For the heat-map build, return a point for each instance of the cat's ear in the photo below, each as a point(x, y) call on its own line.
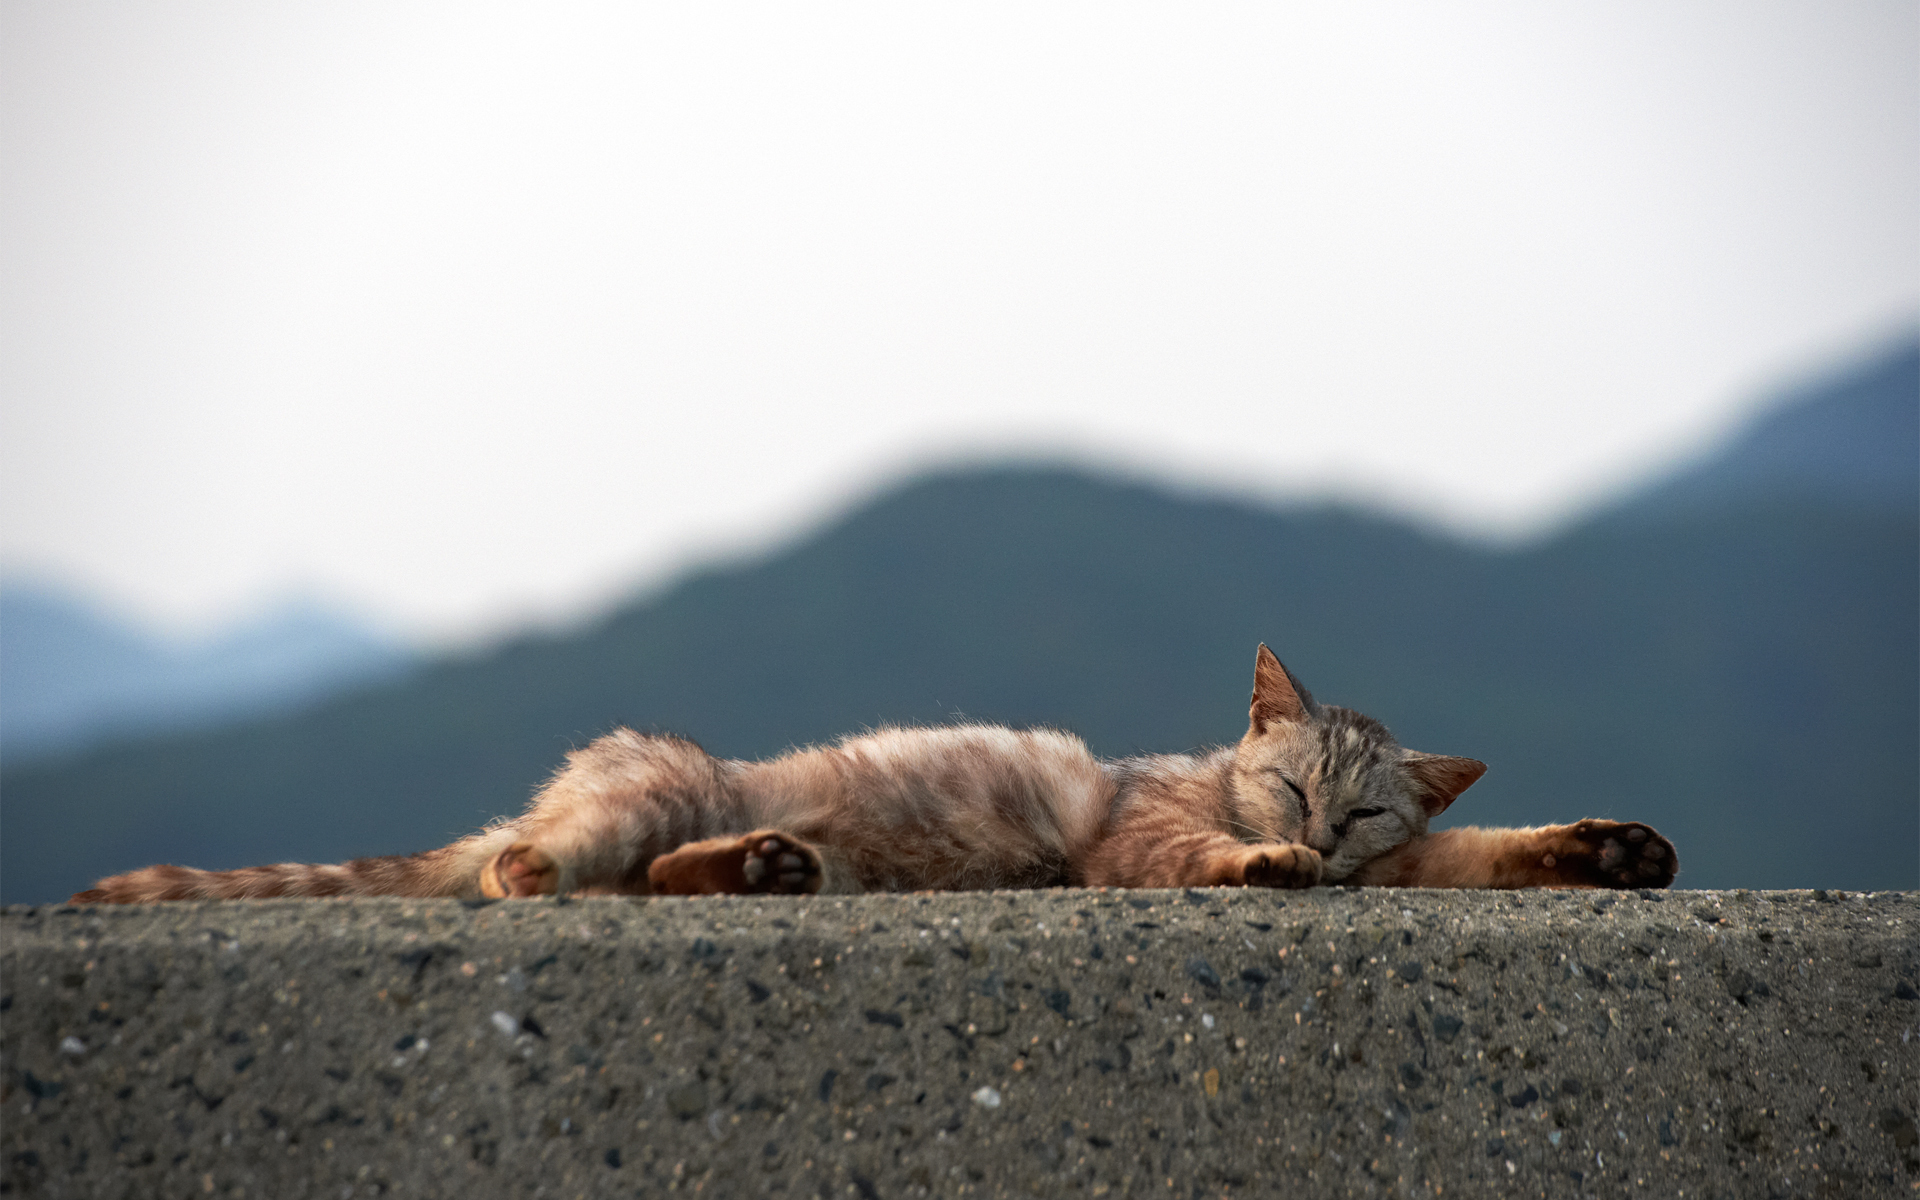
point(1439, 779)
point(1278, 697)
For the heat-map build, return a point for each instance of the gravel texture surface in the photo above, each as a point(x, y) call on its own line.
point(1334, 1042)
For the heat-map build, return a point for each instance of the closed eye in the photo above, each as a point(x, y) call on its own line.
point(1355, 814)
point(1277, 773)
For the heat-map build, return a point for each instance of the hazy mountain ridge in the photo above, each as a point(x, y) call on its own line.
point(1742, 674)
point(1847, 439)
point(72, 676)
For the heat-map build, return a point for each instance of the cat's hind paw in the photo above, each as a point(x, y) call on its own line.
point(765, 861)
point(522, 869)
point(776, 864)
point(1614, 854)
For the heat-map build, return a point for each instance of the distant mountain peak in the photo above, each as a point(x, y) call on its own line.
point(72, 675)
point(1849, 440)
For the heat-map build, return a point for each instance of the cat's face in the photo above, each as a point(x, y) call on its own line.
point(1334, 779)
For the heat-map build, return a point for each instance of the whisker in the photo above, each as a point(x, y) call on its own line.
point(1255, 830)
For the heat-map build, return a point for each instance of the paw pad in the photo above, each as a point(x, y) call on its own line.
point(759, 863)
point(1282, 867)
point(1615, 854)
point(522, 869)
point(774, 864)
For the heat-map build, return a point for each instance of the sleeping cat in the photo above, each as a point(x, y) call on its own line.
point(1311, 794)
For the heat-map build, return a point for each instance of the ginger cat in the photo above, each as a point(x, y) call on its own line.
point(1311, 794)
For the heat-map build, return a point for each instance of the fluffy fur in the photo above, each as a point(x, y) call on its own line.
point(1311, 794)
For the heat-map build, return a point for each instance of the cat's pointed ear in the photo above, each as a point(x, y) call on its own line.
point(1278, 697)
point(1440, 778)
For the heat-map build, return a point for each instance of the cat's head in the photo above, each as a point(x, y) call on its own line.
point(1332, 778)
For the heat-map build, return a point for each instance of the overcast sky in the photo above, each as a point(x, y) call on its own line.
point(467, 313)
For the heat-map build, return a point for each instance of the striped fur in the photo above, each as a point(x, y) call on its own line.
point(1311, 794)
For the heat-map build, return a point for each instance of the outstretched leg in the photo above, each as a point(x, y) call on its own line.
point(764, 861)
point(1585, 854)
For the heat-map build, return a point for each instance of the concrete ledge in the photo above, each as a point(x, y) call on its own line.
point(1339, 1042)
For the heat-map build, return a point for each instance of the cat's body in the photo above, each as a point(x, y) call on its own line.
point(1311, 794)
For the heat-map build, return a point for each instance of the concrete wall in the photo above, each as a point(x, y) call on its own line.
point(1338, 1042)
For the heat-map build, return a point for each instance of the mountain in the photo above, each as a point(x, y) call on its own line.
point(1744, 674)
point(72, 677)
point(1845, 441)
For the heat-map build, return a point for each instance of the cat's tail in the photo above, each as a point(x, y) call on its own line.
point(442, 872)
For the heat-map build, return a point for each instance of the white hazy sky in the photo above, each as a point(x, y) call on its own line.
point(468, 313)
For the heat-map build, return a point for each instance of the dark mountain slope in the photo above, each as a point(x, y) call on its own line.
point(1845, 441)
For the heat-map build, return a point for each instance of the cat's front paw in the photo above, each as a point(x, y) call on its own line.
point(764, 861)
point(522, 869)
point(1612, 854)
point(1281, 866)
